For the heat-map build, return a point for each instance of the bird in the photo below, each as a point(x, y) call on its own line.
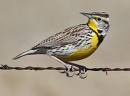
point(75, 42)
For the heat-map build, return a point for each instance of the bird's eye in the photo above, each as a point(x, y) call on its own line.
point(99, 19)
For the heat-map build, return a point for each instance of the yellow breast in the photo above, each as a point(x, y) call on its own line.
point(82, 53)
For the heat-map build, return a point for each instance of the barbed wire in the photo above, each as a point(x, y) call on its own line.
point(6, 67)
point(63, 69)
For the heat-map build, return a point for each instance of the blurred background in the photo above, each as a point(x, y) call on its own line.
point(24, 23)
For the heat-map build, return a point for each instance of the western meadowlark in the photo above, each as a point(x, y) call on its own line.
point(74, 43)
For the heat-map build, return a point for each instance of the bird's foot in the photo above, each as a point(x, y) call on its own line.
point(82, 73)
point(69, 70)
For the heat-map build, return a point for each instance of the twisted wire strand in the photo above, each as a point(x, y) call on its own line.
point(6, 67)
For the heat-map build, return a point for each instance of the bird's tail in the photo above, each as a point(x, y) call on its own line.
point(28, 52)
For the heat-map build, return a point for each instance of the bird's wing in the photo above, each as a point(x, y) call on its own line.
point(68, 36)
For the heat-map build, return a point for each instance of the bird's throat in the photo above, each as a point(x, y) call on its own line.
point(93, 25)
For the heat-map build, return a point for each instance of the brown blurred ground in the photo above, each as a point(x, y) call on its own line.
point(24, 23)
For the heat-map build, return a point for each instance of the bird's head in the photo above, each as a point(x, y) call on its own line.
point(98, 21)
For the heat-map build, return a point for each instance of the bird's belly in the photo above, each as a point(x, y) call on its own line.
point(79, 54)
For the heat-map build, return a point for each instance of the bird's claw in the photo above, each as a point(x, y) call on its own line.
point(82, 73)
point(69, 71)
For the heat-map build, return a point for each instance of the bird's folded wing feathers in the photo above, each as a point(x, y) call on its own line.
point(68, 36)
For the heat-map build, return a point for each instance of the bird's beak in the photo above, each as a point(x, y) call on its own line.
point(89, 15)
